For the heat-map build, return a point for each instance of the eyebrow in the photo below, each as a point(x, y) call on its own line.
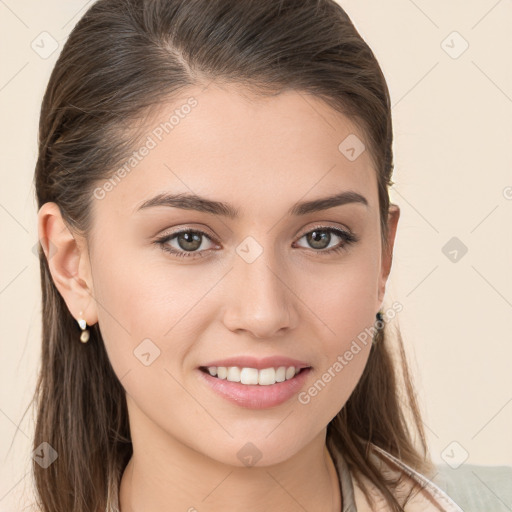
point(188, 201)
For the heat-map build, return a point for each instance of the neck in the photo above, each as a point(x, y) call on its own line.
point(166, 475)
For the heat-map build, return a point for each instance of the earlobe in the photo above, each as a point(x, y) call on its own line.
point(70, 272)
point(387, 253)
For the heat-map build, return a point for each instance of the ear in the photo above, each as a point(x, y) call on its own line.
point(68, 262)
point(387, 253)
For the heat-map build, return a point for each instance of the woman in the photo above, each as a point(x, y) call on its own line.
point(217, 235)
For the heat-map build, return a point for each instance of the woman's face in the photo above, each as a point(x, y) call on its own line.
point(252, 279)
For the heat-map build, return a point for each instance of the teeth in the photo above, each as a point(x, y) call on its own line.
point(265, 377)
point(281, 373)
point(249, 376)
point(233, 374)
point(268, 376)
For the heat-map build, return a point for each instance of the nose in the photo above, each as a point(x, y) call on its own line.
point(260, 298)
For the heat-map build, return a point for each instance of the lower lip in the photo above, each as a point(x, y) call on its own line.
point(255, 396)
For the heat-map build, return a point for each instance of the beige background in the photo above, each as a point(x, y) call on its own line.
point(453, 178)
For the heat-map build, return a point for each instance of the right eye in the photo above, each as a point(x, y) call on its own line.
point(189, 242)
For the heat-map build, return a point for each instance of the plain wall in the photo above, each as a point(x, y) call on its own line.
point(453, 182)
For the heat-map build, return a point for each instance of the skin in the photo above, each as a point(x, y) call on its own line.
point(262, 155)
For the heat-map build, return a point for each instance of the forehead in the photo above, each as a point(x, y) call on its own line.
point(248, 150)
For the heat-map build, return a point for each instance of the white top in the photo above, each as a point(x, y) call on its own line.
point(431, 497)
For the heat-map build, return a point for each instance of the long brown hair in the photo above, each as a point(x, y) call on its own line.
point(123, 58)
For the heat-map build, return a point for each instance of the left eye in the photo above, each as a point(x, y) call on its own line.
point(318, 237)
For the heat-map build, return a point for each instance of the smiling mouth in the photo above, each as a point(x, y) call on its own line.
point(253, 376)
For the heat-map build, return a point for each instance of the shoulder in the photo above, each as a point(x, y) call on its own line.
point(421, 494)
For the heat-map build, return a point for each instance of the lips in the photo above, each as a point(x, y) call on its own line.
point(256, 396)
point(258, 363)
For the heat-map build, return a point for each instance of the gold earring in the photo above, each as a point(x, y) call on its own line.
point(84, 337)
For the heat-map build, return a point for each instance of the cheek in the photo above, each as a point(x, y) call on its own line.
point(341, 303)
point(333, 383)
point(347, 316)
point(145, 304)
point(143, 317)
point(342, 296)
point(130, 309)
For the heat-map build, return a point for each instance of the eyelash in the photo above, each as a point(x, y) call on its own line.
point(347, 237)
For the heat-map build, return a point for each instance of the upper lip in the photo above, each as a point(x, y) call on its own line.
point(258, 363)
